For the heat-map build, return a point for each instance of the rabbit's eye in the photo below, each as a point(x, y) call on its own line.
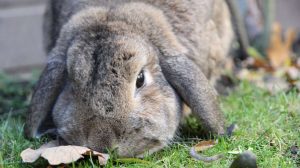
point(140, 80)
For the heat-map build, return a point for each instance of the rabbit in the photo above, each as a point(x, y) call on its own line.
point(119, 71)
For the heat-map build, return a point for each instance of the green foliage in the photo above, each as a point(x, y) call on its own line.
point(14, 94)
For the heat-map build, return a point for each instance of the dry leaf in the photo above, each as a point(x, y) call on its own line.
point(64, 154)
point(102, 158)
point(29, 155)
point(258, 63)
point(204, 145)
point(279, 50)
point(57, 155)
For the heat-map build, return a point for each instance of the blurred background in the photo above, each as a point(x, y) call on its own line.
point(21, 41)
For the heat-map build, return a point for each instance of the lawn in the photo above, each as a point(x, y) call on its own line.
point(269, 125)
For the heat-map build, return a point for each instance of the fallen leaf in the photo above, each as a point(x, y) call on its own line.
point(102, 157)
point(204, 145)
point(29, 155)
point(57, 155)
point(259, 63)
point(64, 154)
point(279, 50)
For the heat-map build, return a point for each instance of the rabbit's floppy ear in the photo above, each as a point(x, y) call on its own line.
point(194, 88)
point(48, 88)
point(53, 79)
point(190, 82)
point(51, 82)
point(46, 92)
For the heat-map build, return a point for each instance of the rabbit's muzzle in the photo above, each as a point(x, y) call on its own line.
point(128, 139)
point(129, 135)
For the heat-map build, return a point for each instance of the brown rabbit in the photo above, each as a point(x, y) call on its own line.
point(118, 71)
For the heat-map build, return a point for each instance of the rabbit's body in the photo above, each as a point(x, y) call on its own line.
point(118, 71)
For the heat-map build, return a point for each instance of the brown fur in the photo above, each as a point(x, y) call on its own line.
point(87, 93)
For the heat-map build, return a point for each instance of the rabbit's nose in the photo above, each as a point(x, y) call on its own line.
point(104, 133)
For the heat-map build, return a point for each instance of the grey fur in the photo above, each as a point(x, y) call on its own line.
point(96, 50)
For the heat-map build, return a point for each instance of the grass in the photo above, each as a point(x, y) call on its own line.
point(268, 125)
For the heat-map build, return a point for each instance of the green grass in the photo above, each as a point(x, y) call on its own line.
point(268, 125)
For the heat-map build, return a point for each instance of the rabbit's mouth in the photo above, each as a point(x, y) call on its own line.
point(144, 136)
point(135, 143)
point(139, 152)
point(140, 146)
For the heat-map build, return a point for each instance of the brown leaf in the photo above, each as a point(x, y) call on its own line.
point(279, 49)
point(29, 155)
point(204, 145)
point(102, 157)
point(258, 63)
point(64, 154)
point(57, 155)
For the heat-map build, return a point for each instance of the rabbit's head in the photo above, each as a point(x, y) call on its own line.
point(116, 95)
point(108, 83)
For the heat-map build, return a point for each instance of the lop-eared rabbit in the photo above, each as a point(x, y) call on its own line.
point(119, 71)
